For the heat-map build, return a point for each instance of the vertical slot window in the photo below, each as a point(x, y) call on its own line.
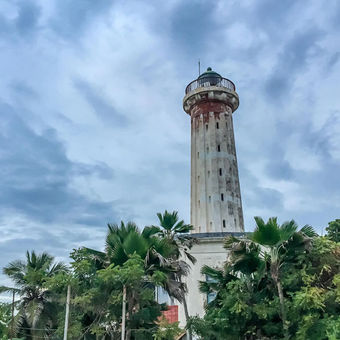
point(223, 223)
point(217, 125)
point(209, 199)
point(219, 148)
point(222, 197)
point(206, 127)
point(220, 171)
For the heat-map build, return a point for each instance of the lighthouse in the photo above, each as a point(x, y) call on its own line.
point(216, 206)
point(216, 203)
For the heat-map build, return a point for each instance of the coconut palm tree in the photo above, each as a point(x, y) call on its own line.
point(176, 233)
point(36, 311)
point(124, 241)
point(270, 243)
point(275, 241)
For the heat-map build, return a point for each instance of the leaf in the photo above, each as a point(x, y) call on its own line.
point(308, 231)
point(267, 234)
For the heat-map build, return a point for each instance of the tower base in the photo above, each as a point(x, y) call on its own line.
point(208, 251)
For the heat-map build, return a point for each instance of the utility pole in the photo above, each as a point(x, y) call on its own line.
point(67, 313)
point(12, 321)
point(123, 313)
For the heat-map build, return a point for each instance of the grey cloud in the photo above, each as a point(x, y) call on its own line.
point(193, 25)
point(256, 196)
point(27, 20)
point(279, 168)
point(24, 24)
point(35, 172)
point(22, 89)
point(36, 176)
point(291, 61)
point(272, 16)
point(101, 107)
point(73, 16)
point(332, 61)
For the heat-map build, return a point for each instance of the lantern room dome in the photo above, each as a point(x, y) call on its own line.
point(209, 73)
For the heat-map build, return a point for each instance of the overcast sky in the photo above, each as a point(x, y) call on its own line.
point(92, 128)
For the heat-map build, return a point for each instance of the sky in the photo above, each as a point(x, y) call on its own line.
point(92, 128)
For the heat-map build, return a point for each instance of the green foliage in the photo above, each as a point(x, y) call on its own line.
point(36, 311)
point(333, 230)
point(247, 303)
point(137, 260)
point(5, 319)
point(167, 331)
point(280, 282)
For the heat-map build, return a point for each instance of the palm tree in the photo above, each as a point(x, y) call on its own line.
point(273, 243)
point(36, 311)
point(124, 241)
point(176, 233)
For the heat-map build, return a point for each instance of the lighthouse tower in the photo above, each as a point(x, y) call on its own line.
point(216, 207)
point(216, 203)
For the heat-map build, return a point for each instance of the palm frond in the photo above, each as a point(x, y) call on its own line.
point(151, 231)
point(213, 273)
point(267, 234)
point(5, 289)
point(308, 231)
point(57, 268)
point(287, 230)
point(190, 257)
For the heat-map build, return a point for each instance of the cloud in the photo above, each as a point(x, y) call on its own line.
point(27, 19)
point(101, 107)
point(91, 122)
point(36, 176)
point(72, 17)
point(292, 59)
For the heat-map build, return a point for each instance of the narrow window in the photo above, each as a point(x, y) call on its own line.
point(208, 173)
point(217, 125)
point(207, 149)
point(219, 148)
point(220, 171)
point(210, 225)
point(198, 155)
point(206, 127)
point(198, 178)
point(222, 197)
point(223, 223)
point(199, 203)
point(226, 125)
point(209, 199)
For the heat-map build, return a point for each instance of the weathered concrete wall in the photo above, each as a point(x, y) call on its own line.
point(215, 189)
point(209, 251)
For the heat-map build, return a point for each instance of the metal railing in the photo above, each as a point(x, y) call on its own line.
point(210, 81)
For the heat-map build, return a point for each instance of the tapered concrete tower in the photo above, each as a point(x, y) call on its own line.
point(216, 203)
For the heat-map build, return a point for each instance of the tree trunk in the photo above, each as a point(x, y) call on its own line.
point(186, 312)
point(130, 304)
point(123, 312)
point(275, 276)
